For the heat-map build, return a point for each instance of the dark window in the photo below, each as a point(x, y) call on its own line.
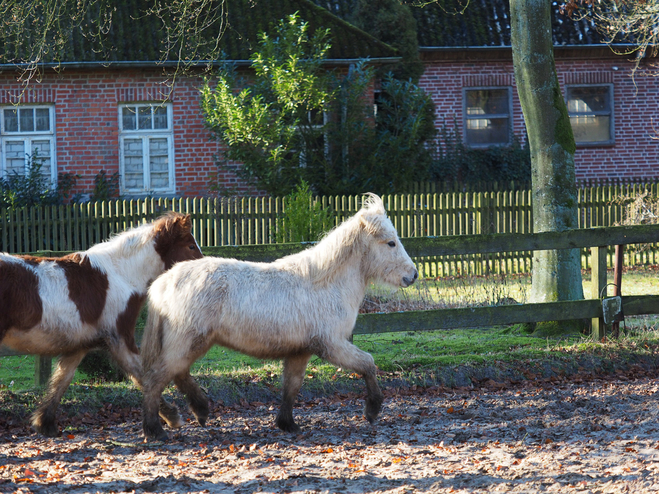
point(487, 119)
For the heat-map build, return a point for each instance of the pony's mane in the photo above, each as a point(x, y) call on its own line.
point(125, 243)
point(337, 246)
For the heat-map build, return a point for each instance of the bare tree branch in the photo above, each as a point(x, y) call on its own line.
point(630, 27)
point(36, 33)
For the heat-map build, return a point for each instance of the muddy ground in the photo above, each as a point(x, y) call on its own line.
point(594, 435)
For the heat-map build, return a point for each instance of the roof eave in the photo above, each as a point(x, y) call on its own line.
point(117, 65)
point(504, 53)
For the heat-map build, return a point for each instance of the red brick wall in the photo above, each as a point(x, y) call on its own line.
point(635, 154)
point(87, 128)
point(87, 124)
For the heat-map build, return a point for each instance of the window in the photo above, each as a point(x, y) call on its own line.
point(591, 113)
point(146, 159)
point(487, 120)
point(314, 139)
point(27, 135)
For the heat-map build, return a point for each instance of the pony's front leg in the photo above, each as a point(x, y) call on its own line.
point(44, 420)
point(345, 354)
point(294, 368)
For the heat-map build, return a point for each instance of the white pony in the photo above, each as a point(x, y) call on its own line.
point(298, 306)
point(69, 305)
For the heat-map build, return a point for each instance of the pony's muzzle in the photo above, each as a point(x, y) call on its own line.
point(407, 281)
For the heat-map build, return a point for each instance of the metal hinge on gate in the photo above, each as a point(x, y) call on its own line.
point(611, 308)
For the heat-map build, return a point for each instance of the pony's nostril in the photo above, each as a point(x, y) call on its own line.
point(408, 281)
point(416, 274)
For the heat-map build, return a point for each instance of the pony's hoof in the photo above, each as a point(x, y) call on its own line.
point(161, 436)
point(45, 426)
point(154, 432)
point(201, 413)
point(170, 414)
point(172, 418)
point(287, 425)
point(48, 430)
point(372, 410)
point(173, 423)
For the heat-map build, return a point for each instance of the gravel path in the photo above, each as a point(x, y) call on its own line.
point(595, 436)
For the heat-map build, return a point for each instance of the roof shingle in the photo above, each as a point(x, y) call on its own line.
point(135, 35)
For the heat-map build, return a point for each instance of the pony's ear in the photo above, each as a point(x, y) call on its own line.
point(370, 222)
point(373, 203)
point(173, 225)
point(372, 214)
point(184, 222)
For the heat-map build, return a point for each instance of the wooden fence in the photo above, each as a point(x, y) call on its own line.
point(596, 238)
point(245, 221)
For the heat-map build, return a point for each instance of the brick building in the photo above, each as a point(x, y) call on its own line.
point(469, 73)
point(114, 111)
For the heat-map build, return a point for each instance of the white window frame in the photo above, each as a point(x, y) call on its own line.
point(28, 137)
point(587, 114)
point(145, 135)
point(487, 116)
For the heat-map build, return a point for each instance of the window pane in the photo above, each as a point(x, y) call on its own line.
point(43, 119)
point(133, 164)
point(128, 118)
point(144, 118)
point(41, 154)
point(11, 120)
point(591, 128)
point(487, 131)
point(26, 118)
point(160, 117)
point(588, 99)
point(15, 157)
point(159, 163)
point(487, 101)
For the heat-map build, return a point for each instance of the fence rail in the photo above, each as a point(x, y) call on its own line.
point(254, 220)
point(476, 316)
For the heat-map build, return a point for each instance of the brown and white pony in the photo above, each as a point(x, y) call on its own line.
point(67, 306)
point(298, 306)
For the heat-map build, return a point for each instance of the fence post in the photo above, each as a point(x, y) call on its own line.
point(598, 283)
point(42, 367)
point(617, 284)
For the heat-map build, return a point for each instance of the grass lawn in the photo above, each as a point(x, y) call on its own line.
point(408, 352)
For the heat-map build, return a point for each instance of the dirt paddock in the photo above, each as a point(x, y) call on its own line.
point(595, 436)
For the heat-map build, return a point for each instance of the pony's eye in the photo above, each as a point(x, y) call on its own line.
point(391, 243)
point(193, 247)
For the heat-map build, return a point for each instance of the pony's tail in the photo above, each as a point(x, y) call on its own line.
point(151, 347)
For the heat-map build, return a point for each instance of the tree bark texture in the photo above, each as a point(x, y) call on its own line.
point(556, 273)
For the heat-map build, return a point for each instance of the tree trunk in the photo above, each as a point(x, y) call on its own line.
point(556, 273)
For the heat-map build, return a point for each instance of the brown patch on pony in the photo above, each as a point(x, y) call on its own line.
point(20, 303)
point(127, 319)
point(173, 239)
point(88, 286)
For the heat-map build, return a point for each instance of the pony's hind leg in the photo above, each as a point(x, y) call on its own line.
point(196, 397)
point(131, 364)
point(44, 420)
point(153, 384)
point(345, 354)
point(294, 368)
